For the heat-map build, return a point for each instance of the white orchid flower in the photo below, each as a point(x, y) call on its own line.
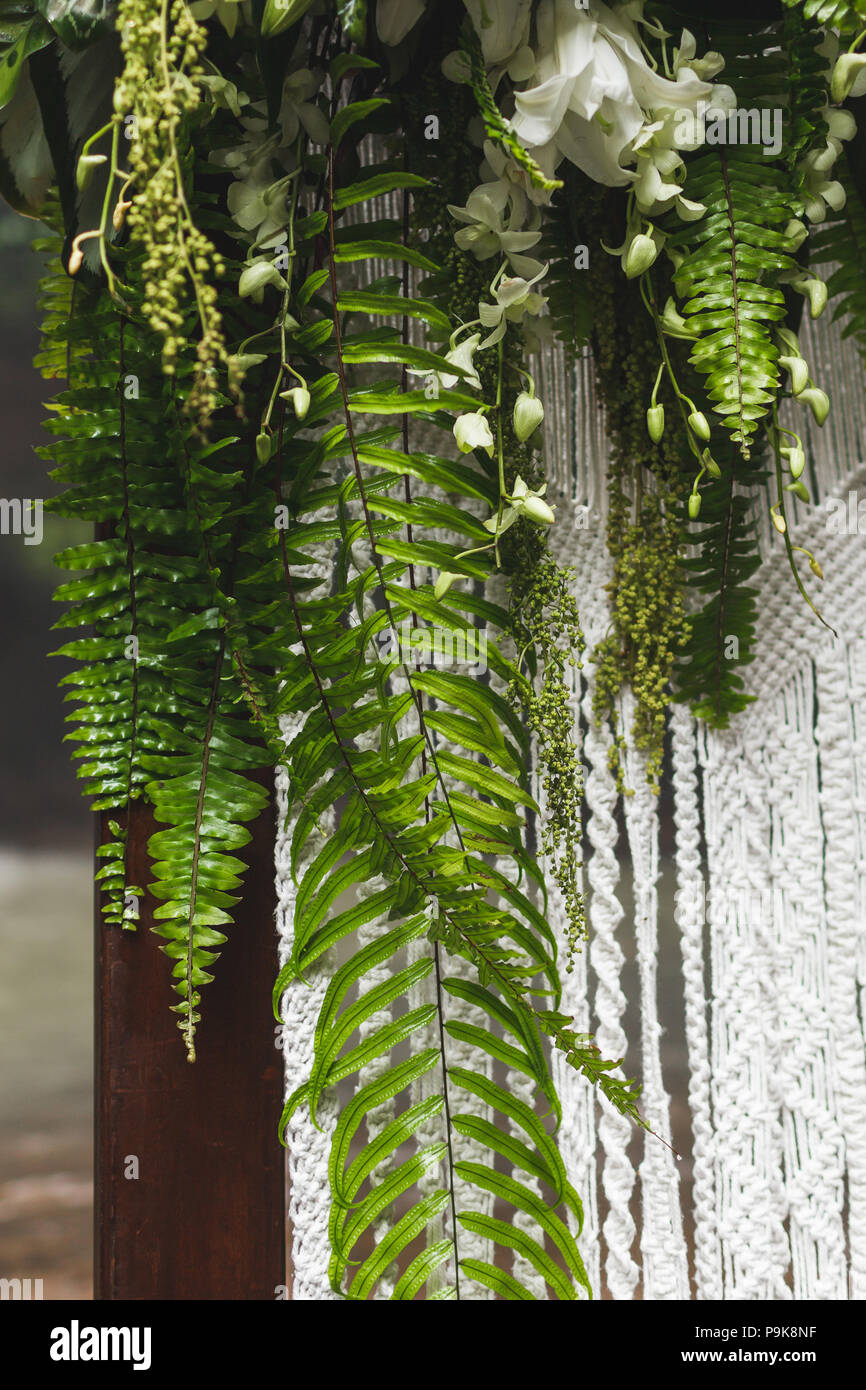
point(226, 12)
point(487, 232)
point(258, 204)
point(499, 165)
point(594, 89)
point(297, 109)
point(473, 432)
point(502, 26)
point(514, 297)
point(461, 356)
point(394, 19)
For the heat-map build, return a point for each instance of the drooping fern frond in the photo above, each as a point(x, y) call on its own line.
point(157, 707)
point(732, 257)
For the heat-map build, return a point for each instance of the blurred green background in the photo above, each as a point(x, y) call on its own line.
point(45, 849)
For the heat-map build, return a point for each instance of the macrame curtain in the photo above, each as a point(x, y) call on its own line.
point(769, 886)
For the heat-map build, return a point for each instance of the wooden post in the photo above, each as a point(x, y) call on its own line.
point(189, 1173)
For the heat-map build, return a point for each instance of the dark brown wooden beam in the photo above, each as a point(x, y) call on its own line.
point(205, 1217)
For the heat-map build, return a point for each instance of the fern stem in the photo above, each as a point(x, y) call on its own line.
point(368, 521)
point(744, 439)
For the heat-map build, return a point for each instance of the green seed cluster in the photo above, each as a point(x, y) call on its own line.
point(545, 622)
point(162, 49)
point(644, 529)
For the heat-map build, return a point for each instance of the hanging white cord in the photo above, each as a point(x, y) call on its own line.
point(663, 1247)
point(690, 911)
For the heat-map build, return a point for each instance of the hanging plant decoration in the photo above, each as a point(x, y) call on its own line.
point(302, 257)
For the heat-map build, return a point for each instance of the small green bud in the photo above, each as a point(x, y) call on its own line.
point(796, 459)
point(815, 567)
point(254, 278)
point(528, 415)
point(796, 232)
point(263, 446)
point(816, 293)
point(778, 522)
point(299, 397)
point(799, 490)
point(673, 323)
point(538, 511)
point(85, 167)
point(655, 422)
point(710, 464)
point(443, 583)
point(818, 402)
point(799, 372)
point(846, 74)
point(694, 505)
point(699, 424)
point(640, 255)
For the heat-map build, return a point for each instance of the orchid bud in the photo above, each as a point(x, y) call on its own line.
point(797, 462)
point(778, 522)
point(799, 373)
point(254, 278)
point(473, 432)
point(85, 167)
point(845, 81)
point(815, 567)
point(818, 402)
point(816, 293)
point(528, 415)
point(443, 583)
point(640, 255)
point(538, 511)
point(699, 424)
point(674, 324)
point(796, 232)
point(299, 397)
point(76, 260)
point(694, 505)
point(710, 464)
point(655, 422)
point(263, 446)
point(799, 490)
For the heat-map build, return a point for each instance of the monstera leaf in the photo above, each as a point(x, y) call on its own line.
point(22, 32)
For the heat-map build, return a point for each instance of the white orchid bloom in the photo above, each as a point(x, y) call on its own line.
point(473, 432)
point(394, 19)
point(487, 231)
point(297, 109)
point(226, 11)
point(684, 57)
point(502, 26)
point(594, 89)
point(258, 204)
point(461, 356)
point(514, 297)
point(499, 165)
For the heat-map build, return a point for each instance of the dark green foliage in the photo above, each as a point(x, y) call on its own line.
point(842, 241)
point(157, 705)
point(722, 636)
